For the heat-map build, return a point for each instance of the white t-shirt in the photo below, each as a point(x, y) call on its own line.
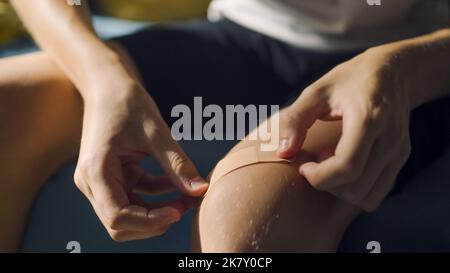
point(334, 25)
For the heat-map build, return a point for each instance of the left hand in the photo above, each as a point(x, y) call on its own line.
point(367, 95)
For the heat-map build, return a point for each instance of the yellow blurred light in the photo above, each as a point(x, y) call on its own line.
point(10, 26)
point(154, 10)
point(145, 10)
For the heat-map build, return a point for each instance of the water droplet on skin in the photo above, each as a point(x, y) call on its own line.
point(255, 244)
point(251, 222)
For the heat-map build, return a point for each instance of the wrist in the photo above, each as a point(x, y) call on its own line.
point(392, 74)
point(104, 75)
point(420, 66)
point(109, 87)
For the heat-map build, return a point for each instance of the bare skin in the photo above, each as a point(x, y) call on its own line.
point(269, 207)
point(109, 153)
point(39, 139)
point(41, 116)
point(373, 94)
point(36, 99)
point(44, 145)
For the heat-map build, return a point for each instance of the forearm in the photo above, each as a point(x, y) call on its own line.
point(421, 66)
point(66, 33)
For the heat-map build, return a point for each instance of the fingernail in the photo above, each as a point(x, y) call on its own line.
point(283, 146)
point(197, 182)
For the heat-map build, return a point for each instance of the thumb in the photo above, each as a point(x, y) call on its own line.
point(296, 120)
point(177, 165)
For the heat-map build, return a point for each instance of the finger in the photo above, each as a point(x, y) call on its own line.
point(148, 218)
point(125, 235)
point(181, 204)
point(119, 235)
point(297, 119)
point(355, 192)
point(102, 182)
point(111, 202)
point(128, 235)
point(177, 165)
point(139, 218)
point(325, 153)
point(112, 205)
point(350, 157)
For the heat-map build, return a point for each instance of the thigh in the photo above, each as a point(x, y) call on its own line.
point(36, 98)
point(40, 124)
point(29, 76)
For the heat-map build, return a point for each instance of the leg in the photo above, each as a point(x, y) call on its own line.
point(40, 125)
point(238, 208)
point(268, 207)
point(40, 111)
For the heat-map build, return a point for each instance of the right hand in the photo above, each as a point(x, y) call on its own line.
point(121, 126)
point(368, 95)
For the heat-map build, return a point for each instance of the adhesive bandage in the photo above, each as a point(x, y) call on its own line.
point(244, 157)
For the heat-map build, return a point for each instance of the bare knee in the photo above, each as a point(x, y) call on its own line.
point(265, 208)
point(37, 67)
point(33, 81)
point(40, 113)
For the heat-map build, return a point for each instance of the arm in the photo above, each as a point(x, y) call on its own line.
point(422, 65)
point(373, 94)
point(66, 33)
point(121, 125)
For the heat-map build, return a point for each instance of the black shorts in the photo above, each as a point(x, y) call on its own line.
point(225, 63)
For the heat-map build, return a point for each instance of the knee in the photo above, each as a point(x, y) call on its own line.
point(255, 209)
point(226, 217)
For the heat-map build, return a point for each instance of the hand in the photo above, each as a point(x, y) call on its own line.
point(367, 96)
point(121, 126)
